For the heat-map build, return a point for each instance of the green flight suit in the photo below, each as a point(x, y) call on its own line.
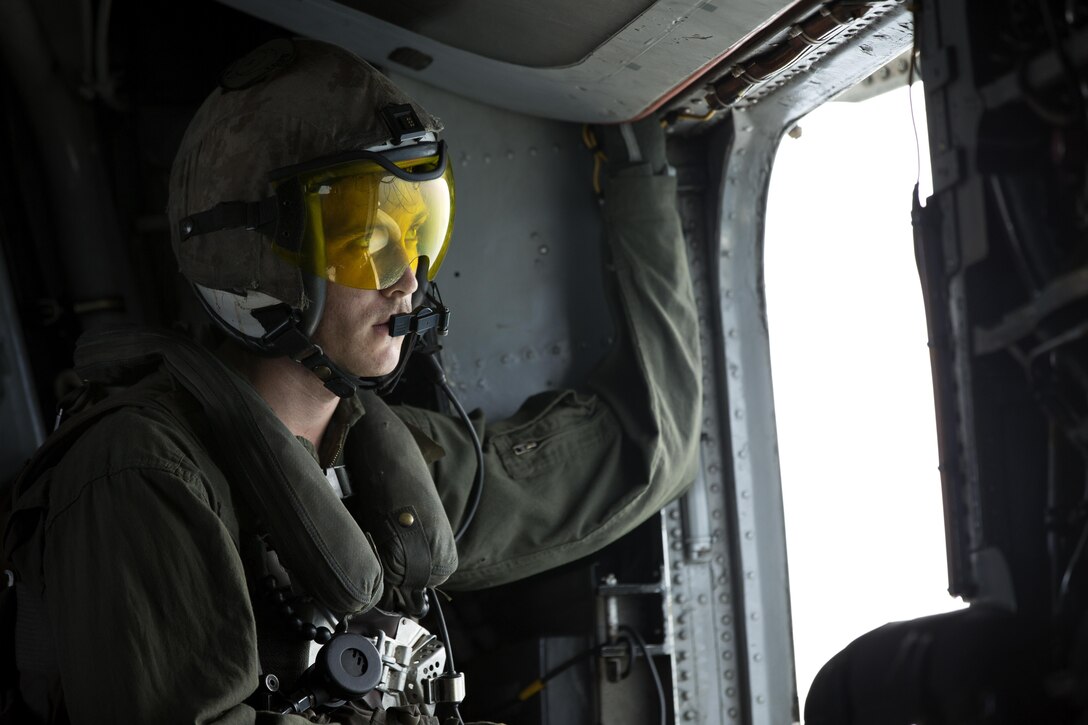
point(142, 552)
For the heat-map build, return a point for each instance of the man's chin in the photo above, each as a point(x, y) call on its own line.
point(376, 368)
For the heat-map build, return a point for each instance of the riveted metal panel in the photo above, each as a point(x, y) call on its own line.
point(759, 534)
point(523, 274)
point(759, 549)
point(708, 685)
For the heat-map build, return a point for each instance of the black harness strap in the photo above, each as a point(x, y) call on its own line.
point(283, 336)
point(252, 215)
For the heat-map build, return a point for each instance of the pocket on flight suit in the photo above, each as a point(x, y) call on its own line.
point(549, 431)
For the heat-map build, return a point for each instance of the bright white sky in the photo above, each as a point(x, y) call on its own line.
point(853, 396)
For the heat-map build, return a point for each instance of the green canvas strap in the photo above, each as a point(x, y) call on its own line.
point(316, 537)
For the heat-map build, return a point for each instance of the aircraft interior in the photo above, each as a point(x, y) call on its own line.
point(96, 97)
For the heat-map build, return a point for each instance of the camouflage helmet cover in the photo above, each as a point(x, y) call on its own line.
point(325, 101)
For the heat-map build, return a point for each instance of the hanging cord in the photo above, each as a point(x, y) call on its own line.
point(537, 686)
point(438, 376)
point(451, 669)
point(629, 637)
point(912, 75)
point(632, 634)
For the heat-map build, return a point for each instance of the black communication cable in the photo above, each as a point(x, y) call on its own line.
point(628, 632)
point(630, 637)
point(450, 667)
point(439, 377)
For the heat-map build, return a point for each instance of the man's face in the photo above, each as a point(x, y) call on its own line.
point(370, 229)
point(354, 328)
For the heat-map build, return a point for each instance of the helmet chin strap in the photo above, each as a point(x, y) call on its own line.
point(288, 332)
point(284, 336)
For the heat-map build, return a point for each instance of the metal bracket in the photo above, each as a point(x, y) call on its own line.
point(446, 687)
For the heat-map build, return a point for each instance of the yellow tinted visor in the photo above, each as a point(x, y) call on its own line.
point(364, 226)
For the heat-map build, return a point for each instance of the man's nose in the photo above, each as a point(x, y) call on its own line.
point(406, 285)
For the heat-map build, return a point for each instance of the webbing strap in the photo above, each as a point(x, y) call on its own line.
point(288, 494)
point(252, 215)
point(282, 334)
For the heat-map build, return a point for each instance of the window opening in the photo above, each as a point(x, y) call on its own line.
point(852, 387)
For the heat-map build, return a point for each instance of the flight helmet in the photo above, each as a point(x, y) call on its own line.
point(307, 166)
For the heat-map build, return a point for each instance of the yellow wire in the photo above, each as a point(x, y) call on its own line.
point(531, 689)
point(587, 137)
point(695, 117)
point(599, 156)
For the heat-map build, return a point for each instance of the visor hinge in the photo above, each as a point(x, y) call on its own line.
point(260, 213)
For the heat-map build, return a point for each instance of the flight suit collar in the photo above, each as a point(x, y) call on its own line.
point(331, 454)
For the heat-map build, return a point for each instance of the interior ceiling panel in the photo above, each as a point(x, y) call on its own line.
point(622, 57)
point(523, 32)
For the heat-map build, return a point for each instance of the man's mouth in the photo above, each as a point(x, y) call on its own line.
point(386, 322)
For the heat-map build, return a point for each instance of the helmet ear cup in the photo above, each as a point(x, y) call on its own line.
point(232, 313)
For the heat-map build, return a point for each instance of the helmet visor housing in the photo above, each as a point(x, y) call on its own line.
point(365, 221)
